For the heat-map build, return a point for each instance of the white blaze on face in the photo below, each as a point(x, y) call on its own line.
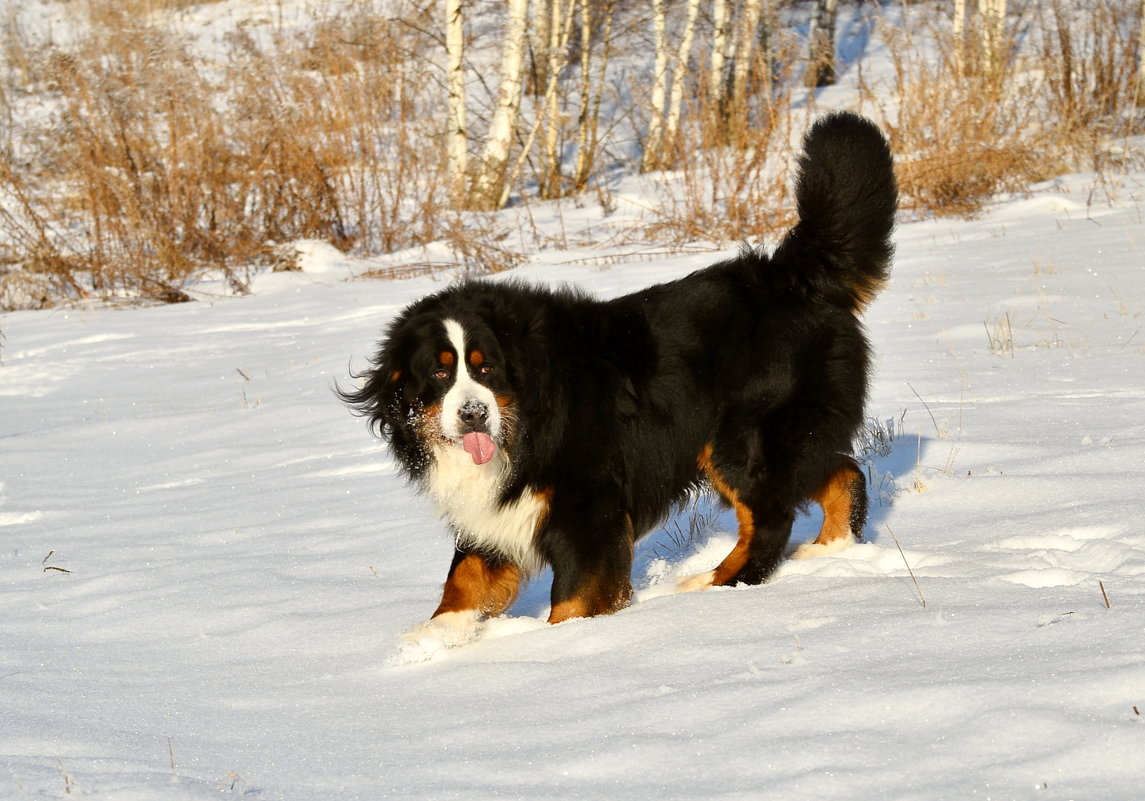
point(467, 481)
point(465, 392)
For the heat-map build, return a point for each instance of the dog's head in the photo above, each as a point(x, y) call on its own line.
point(439, 381)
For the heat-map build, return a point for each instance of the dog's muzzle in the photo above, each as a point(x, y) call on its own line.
point(474, 417)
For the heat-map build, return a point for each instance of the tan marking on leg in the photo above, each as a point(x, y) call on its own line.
point(474, 584)
point(700, 581)
point(590, 604)
point(734, 562)
point(835, 497)
point(574, 607)
point(603, 594)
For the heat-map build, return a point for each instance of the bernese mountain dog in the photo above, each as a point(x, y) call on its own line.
point(554, 428)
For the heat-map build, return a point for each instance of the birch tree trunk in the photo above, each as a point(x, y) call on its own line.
point(767, 29)
point(457, 136)
point(539, 48)
point(582, 135)
point(561, 26)
point(1065, 52)
point(741, 64)
point(591, 93)
point(721, 19)
point(960, 36)
point(1141, 60)
point(489, 184)
point(676, 99)
point(659, 85)
point(992, 14)
point(821, 44)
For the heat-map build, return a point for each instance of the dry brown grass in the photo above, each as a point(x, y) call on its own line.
point(960, 137)
point(156, 165)
point(731, 178)
point(1062, 91)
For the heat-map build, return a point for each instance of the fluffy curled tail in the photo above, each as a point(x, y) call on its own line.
point(846, 198)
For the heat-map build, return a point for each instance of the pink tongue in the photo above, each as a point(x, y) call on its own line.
point(479, 445)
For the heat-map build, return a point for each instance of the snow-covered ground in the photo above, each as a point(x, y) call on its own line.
point(206, 562)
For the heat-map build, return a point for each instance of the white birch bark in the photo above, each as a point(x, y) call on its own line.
point(539, 47)
point(659, 85)
point(457, 137)
point(821, 44)
point(591, 93)
point(721, 19)
point(675, 100)
point(1141, 60)
point(960, 36)
point(561, 22)
point(744, 49)
point(992, 20)
point(585, 84)
point(489, 183)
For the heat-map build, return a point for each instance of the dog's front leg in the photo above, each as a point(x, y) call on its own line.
point(477, 586)
point(594, 578)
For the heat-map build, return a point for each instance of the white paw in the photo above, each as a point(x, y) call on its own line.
point(435, 636)
point(700, 581)
point(807, 550)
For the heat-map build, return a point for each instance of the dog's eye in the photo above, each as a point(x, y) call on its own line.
point(441, 373)
point(485, 369)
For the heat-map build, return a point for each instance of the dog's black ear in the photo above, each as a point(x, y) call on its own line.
point(379, 399)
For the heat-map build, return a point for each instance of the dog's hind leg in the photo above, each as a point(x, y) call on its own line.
point(756, 554)
point(843, 498)
point(763, 533)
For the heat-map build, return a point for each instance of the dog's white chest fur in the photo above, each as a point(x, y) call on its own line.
point(467, 496)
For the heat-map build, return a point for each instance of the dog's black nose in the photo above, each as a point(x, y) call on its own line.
point(474, 417)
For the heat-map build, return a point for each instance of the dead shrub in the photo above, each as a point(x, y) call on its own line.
point(732, 178)
point(156, 166)
point(963, 135)
point(959, 183)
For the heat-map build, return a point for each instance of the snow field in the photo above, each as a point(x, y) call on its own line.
point(207, 564)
